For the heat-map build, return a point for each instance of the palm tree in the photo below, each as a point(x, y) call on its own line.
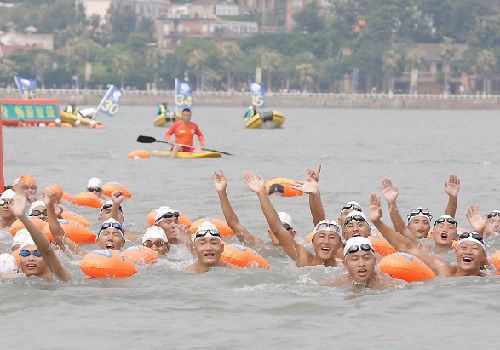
point(231, 58)
point(446, 51)
point(197, 61)
point(155, 59)
point(486, 63)
point(43, 61)
point(122, 63)
point(270, 61)
point(8, 68)
point(78, 51)
point(390, 61)
point(305, 71)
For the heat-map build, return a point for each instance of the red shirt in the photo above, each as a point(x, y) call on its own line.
point(184, 133)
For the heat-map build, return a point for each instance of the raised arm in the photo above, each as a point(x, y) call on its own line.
point(451, 188)
point(476, 219)
point(399, 242)
point(391, 194)
point(41, 241)
point(311, 187)
point(220, 183)
point(257, 185)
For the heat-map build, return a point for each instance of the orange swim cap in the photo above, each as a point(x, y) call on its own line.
point(27, 180)
point(56, 188)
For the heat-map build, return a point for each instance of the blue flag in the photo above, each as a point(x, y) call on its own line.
point(183, 95)
point(26, 87)
point(258, 93)
point(355, 76)
point(109, 104)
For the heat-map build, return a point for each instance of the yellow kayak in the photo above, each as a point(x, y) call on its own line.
point(77, 121)
point(161, 120)
point(266, 120)
point(191, 155)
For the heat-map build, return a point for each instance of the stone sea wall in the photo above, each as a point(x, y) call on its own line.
point(273, 100)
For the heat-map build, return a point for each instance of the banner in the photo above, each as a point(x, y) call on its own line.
point(109, 104)
point(28, 111)
point(258, 75)
point(258, 93)
point(414, 77)
point(183, 95)
point(355, 76)
point(26, 87)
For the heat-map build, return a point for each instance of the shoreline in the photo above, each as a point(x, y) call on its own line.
point(299, 100)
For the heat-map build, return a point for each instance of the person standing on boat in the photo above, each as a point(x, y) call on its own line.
point(163, 108)
point(251, 112)
point(184, 132)
point(71, 108)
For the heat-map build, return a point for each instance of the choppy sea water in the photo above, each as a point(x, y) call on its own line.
point(281, 307)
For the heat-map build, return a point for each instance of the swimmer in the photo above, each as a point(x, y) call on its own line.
point(29, 185)
point(470, 252)
point(111, 235)
point(492, 223)
point(346, 209)
point(95, 186)
point(326, 239)
point(155, 239)
point(360, 263)
point(220, 183)
point(38, 210)
point(113, 208)
point(6, 210)
point(168, 219)
point(208, 247)
point(36, 256)
point(356, 225)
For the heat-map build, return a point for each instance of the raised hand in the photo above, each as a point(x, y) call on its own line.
point(117, 197)
point(389, 192)
point(310, 186)
point(183, 233)
point(452, 186)
point(375, 212)
point(312, 175)
point(20, 201)
point(50, 197)
point(220, 181)
point(476, 219)
point(254, 182)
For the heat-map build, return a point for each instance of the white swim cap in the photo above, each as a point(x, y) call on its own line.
point(8, 194)
point(351, 205)
point(356, 243)
point(34, 205)
point(419, 212)
point(154, 232)
point(447, 218)
point(20, 236)
point(94, 182)
point(285, 218)
point(355, 216)
point(8, 264)
point(25, 240)
point(207, 229)
point(111, 223)
point(472, 237)
point(165, 212)
point(327, 225)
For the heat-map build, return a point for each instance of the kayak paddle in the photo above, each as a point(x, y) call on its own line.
point(150, 139)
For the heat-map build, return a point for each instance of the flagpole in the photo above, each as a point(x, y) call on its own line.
point(175, 96)
point(100, 104)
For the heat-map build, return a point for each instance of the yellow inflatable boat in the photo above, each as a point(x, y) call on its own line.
point(266, 120)
point(158, 152)
point(77, 120)
point(171, 118)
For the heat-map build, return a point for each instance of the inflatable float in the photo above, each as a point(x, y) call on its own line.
point(77, 120)
point(405, 267)
point(283, 186)
point(242, 256)
point(190, 155)
point(139, 253)
point(107, 263)
point(165, 121)
point(265, 120)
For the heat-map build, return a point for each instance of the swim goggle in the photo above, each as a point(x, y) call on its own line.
point(38, 212)
point(419, 212)
point(493, 213)
point(25, 253)
point(168, 215)
point(450, 220)
point(107, 206)
point(203, 233)
point(326, 226)
point(355, 248)
point(159, 243)
point(353, 218)
point(474, 236)
point(111, 224)
point(94, 189)
point(3, 202)
point(352, 206)
point(27, 187)
point(287, 227)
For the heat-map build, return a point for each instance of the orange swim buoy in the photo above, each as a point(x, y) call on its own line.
point(69, 215)
point(240, 255)
point(139, 153)
point(56, 188)
point(66, 125)
point(380, 244)
point(222, 226)
point(182, 218)
point(405, 267)
point(18, 224)
point(68, 197)
point(113, 186)
point(75, 231)
point(139, 253)
point(282, 185)
point(107, 263)
point(99, 126)
point(495, 259)
point(88, 199)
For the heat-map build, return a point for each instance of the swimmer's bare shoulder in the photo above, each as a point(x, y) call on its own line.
point(383, 280)
point(343, 281)
point(228, 265)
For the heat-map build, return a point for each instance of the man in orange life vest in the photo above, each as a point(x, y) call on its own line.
point(184, 131)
